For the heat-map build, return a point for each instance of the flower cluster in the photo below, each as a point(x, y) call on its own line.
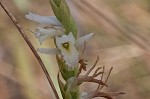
point(66, 45)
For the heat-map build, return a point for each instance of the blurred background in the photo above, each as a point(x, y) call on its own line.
point(122, 40)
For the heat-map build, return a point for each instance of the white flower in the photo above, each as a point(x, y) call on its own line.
point(48, 27)
point(42, 34)
point(66, 44)
point(67, 47)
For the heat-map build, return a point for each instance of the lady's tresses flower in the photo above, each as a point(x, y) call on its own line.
point(42, 34)
point(44, 20)
point(48, 27)
point(67, 47)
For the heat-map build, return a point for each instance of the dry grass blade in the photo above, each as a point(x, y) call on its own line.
point(107, 77)
point(101, 78)
point(107, 95)
point(92, 66)
point(96, 73)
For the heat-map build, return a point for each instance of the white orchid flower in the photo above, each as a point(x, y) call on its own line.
point(67, 47)
point(42, 34)
point(66, 44)
point(48, 27)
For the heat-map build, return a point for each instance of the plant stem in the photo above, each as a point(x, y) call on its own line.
point(18, 26)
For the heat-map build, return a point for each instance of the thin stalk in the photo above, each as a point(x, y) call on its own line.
point(18, 26)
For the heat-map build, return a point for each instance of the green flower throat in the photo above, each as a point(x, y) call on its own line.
point(66, 45)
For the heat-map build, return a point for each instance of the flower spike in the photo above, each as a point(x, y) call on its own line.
point(66, 43)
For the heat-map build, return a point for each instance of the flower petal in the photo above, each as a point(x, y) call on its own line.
point(51, 32)
point(84, 39)
point(71, 56)
point(65, 44)
point(49, 50)
point(42, 37)
point(71, 38)
point(64, 39)
point(49, 20)
point(43, 34)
